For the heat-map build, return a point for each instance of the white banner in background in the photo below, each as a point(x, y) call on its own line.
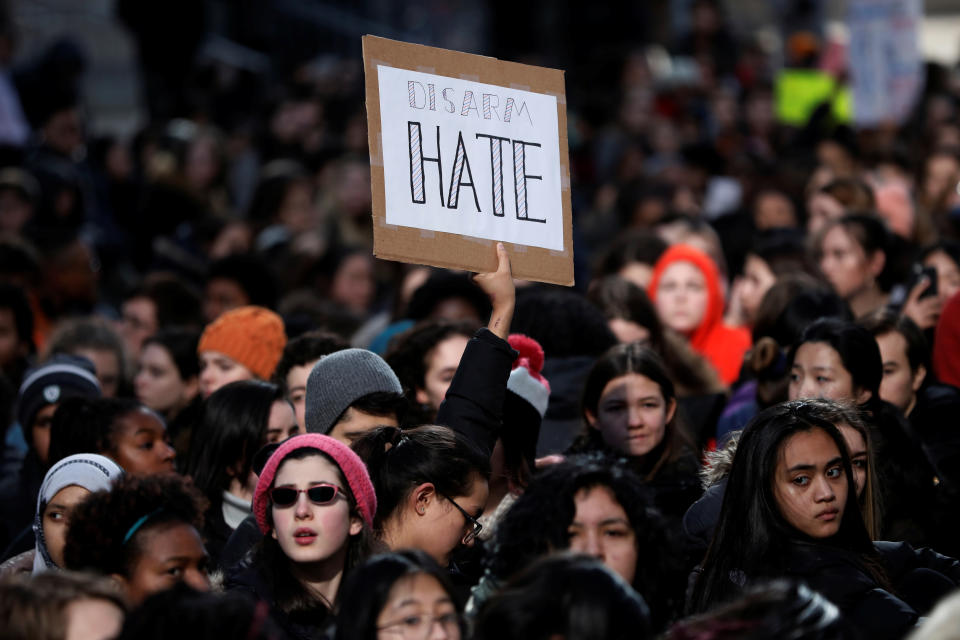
point(886, 66)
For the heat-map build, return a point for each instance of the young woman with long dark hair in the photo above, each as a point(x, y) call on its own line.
point(167, 381)
point(852, 254)
point(238, 419)
point(630, 409)
point(790, 510)
point(841, 361)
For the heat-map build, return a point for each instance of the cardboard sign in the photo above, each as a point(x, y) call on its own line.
point(467, 150)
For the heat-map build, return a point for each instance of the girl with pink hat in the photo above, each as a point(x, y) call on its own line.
point(315, 505)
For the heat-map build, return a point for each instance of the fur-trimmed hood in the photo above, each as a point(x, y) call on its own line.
point(717, 463)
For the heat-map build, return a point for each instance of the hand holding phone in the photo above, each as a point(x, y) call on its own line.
point(923, 304)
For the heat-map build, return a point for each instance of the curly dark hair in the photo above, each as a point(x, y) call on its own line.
point(304, 349)
point(539, 520)
point(98, 525)
point(443, 286)
point(564, 322)
point(407, 356)
point(88, 425)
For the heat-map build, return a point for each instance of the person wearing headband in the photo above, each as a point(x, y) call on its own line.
point(145, 534)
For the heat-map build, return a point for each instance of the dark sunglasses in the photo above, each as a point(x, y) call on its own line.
point(317, 494)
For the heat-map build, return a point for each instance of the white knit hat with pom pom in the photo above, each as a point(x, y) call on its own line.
point(526, 380)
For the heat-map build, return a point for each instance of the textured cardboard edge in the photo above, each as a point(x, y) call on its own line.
point(449, 250)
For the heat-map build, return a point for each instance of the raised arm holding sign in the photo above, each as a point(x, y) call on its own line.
point(499, 287)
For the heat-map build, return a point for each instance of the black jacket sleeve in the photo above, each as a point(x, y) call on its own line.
point(839, 576)
point(900, 558)
point(473, 405)
point(244, 537)
point(701, 518)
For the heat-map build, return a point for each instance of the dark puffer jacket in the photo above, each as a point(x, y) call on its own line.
point(917, 580)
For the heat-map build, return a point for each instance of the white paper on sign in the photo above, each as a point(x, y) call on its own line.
point(470, 158)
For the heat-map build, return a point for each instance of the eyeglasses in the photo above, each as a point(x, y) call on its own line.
point(419, 626)
point(320, 494)
point(475, 526)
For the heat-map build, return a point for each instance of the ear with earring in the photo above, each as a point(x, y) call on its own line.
point(421, 498)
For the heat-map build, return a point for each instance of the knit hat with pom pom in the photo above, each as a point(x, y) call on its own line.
point(525, 402)
point(526, 380)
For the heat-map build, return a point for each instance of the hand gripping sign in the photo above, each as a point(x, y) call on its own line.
point(467, 150)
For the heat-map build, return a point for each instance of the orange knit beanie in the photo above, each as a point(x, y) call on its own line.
point(253, 336)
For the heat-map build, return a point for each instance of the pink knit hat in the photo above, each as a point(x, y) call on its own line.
point(351, 466)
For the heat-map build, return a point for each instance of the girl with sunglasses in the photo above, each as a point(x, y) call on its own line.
point(315, 505)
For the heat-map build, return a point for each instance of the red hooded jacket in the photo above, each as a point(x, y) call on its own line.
point(723, 346)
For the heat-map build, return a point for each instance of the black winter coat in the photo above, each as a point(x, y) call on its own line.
point(906, 478)
point(473, 405)
point(313, 625)
point(917, 579)
point(18, 499)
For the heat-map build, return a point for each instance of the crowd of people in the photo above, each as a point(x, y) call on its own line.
point(222, 415)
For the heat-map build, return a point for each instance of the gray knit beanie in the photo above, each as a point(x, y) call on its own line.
point(340, 379)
